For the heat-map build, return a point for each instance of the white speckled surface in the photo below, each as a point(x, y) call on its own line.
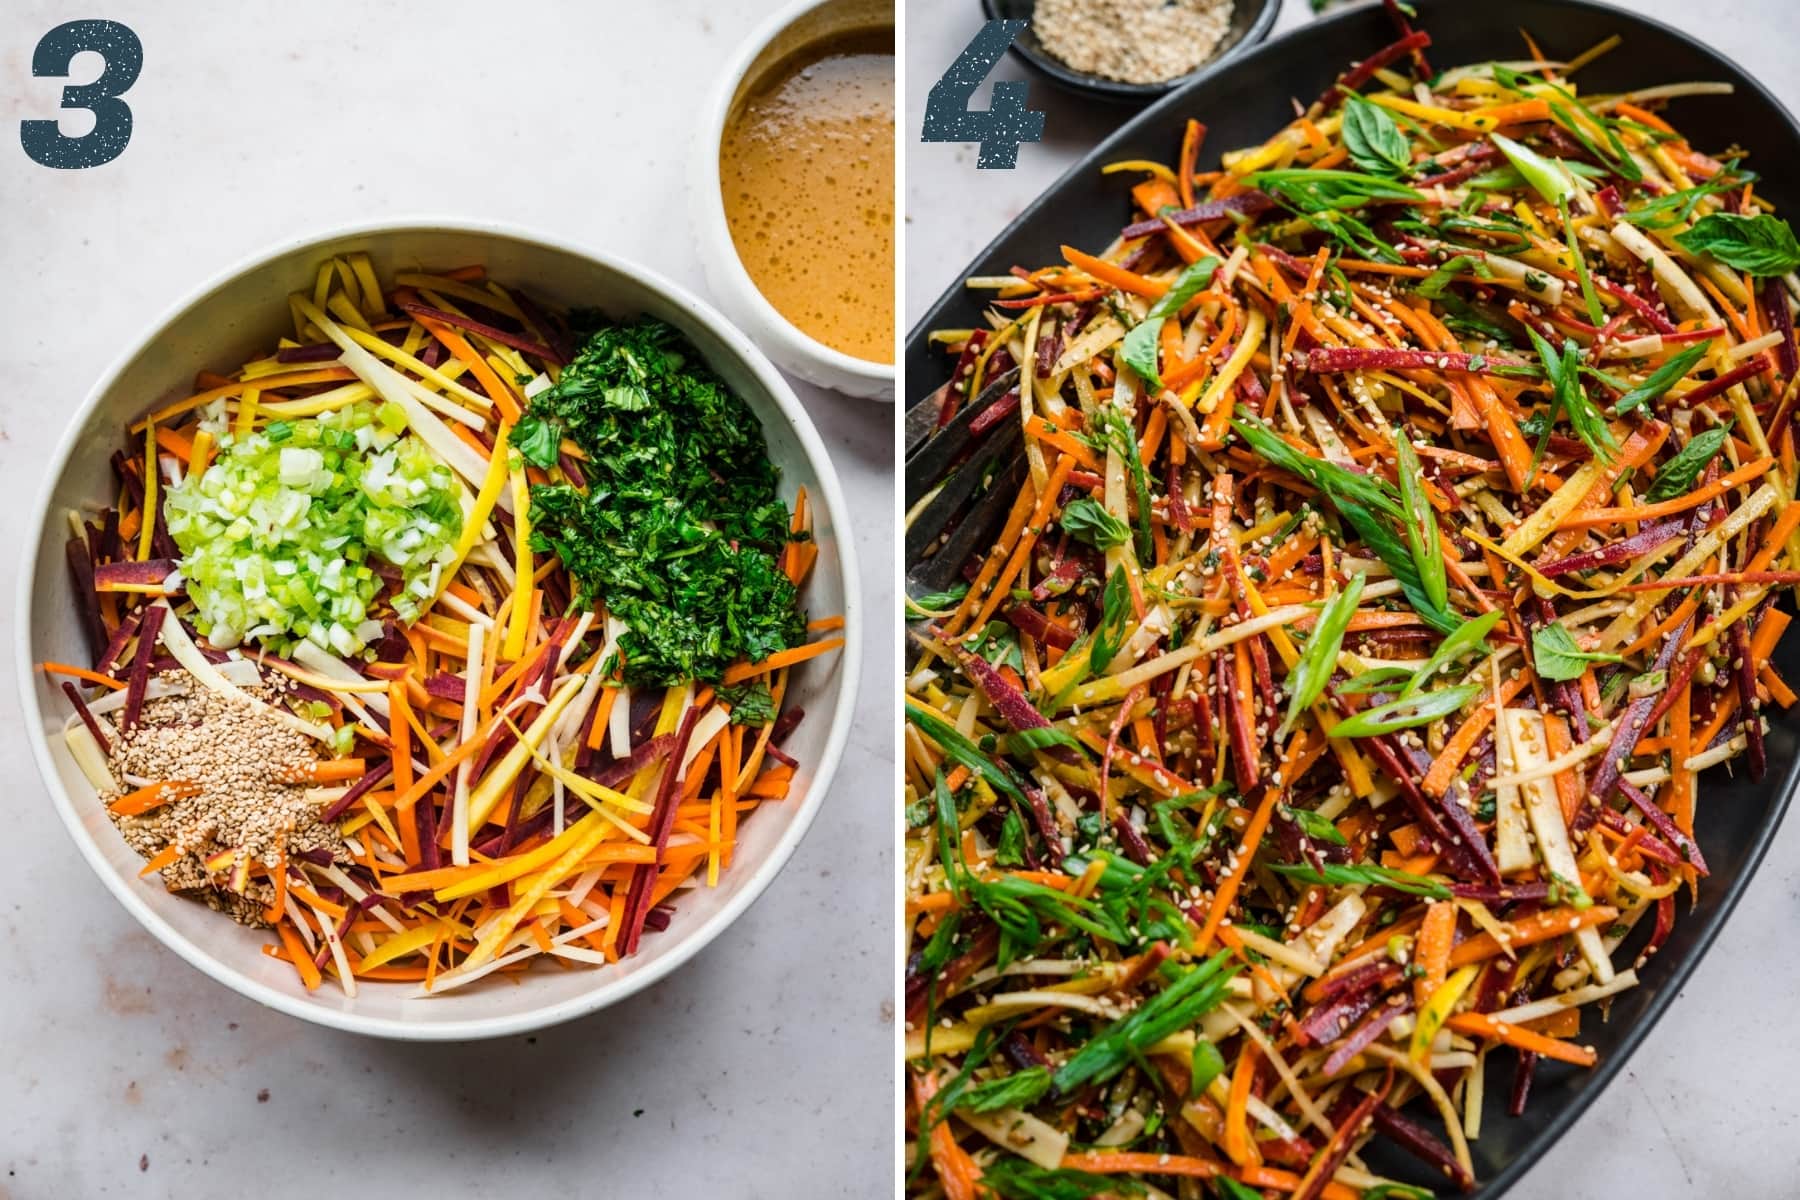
point(1706, 1106)
point(126, 1073)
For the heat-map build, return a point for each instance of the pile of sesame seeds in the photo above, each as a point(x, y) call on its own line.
point(235, 755)
point(1133, 41)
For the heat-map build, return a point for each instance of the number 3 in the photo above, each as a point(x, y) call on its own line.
point(124, 54)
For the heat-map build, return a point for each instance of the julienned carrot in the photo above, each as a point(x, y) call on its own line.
point(298, 956)
point(153, 796)
point(105, 681)
point(1483, 1026)
point(781, 658)
point(1612, 516)
point(1253, 833)
point(1436, 935)
point(329, 770)
point(498, 392)
point(1456, 748)
point(1112, 273)
point(1118, 1162)
point(1526, 931)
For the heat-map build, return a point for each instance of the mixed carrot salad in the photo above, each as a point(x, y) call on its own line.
point(449, 635)
point(1318, 745)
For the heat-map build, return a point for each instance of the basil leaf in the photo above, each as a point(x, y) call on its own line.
point(1312, 670)
point(1086, 520)
point(938, 603)
point(1556, 656)
point(1367, 874)
point(1013, 1091)
point(751, 703)
point(1406, 712)
point(1316, 827)
point(1140, 345)
point(1677, 475)
point(1663, 378)
point(1374, 140)
point(1115, 609)
point(1762, 245)
point(1451, 648)
point(1421, 524)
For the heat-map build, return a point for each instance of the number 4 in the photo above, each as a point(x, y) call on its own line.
point(1005, 123)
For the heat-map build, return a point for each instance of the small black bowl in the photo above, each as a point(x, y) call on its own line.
point(1251, 21)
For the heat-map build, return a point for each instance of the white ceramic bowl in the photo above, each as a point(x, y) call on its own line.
point(240, 313)
point(812, 360)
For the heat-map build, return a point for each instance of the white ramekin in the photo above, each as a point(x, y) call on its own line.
point(239, 313)
point(812, 360)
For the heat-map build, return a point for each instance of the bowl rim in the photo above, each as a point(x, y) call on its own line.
point(1118, 91)
point(606, 992)
point(711, 226)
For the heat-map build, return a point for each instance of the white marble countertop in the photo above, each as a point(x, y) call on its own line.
point(1706, 1106)
point(766, 1064)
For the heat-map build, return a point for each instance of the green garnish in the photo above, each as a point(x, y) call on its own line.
point(1677, 475)
point(279, 537)
point(1663, 378)
point(1420, 525)
point(1139, 347)
point(678, 530)
point(751, 703)
point(1367, 874)
point(1086, 520)
point(1763, 245)
point(1190, 995)
point(1406, 712)
point(1373, 139)
point(1464, 638)
point(1312, 670)
point(1556, 656)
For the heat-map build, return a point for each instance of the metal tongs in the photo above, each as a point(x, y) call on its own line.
point(960, 482)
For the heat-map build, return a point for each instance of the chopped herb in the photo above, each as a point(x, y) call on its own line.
point(678, 530)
